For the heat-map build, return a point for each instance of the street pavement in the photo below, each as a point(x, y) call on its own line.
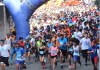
point(36, 66)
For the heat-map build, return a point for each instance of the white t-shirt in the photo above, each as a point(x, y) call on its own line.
point(4, 51)
point(78, 35)
point(85, 43)
point(33, 41)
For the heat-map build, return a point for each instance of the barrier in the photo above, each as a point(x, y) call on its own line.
point(21, 11)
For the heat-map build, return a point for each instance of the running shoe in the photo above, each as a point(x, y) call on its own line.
point(70, 67)
point(86, 64)
point(61, 66)
point(56, 63)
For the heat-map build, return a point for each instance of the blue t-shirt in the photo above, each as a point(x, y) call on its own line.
point(69, 20)
point(94, 54)
point(19, 53)
point(63, 43)
point(49, 45)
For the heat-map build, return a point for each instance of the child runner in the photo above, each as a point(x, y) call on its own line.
point(94, 56)
point(20, 56)
point(54, 51)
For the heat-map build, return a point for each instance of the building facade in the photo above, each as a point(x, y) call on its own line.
point(4, 26)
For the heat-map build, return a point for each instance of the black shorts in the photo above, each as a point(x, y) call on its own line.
point(41, 55)
point(54, 56)
point(5, 60)
point(92, 59)
point(70, 53)
point(28, 50)
point(84, 53)
point(64, 52)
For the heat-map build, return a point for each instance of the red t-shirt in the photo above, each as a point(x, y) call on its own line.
point(22, 44)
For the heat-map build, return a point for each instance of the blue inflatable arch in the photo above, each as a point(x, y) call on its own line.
point(21, 13)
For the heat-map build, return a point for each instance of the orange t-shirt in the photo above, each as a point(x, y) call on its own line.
point(68, 32)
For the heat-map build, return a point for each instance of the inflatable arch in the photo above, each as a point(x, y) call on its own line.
point(21, 12)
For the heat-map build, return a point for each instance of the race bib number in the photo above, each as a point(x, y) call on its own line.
point(46, 39)
point(41, 52)
point(76, 53)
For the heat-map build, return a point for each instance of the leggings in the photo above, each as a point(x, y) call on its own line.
point(37, 53)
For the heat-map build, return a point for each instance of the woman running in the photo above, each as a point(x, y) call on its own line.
point(41, 55)
point(70, 52)
point(54, 51)
point(76, 55)
point(38, 45)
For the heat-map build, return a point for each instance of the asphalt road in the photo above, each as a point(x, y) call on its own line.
point(36, 66)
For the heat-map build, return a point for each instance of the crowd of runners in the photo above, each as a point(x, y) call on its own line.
point(77, 36)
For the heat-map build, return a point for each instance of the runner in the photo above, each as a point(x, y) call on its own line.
point(20, 57)
point(38, 45)
point(54, 51)
point(8, 40)
point(33, 47)
point(63, 49)
point(76, 54)
point(70, 52)
point(4, 54)
point(41, 54)
point(28, 49)
point(49, 45)
point(94, 56)
point(78, 34)
point(12, 52)
point(13, 41)
point(21, 42)
point(85, 44)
